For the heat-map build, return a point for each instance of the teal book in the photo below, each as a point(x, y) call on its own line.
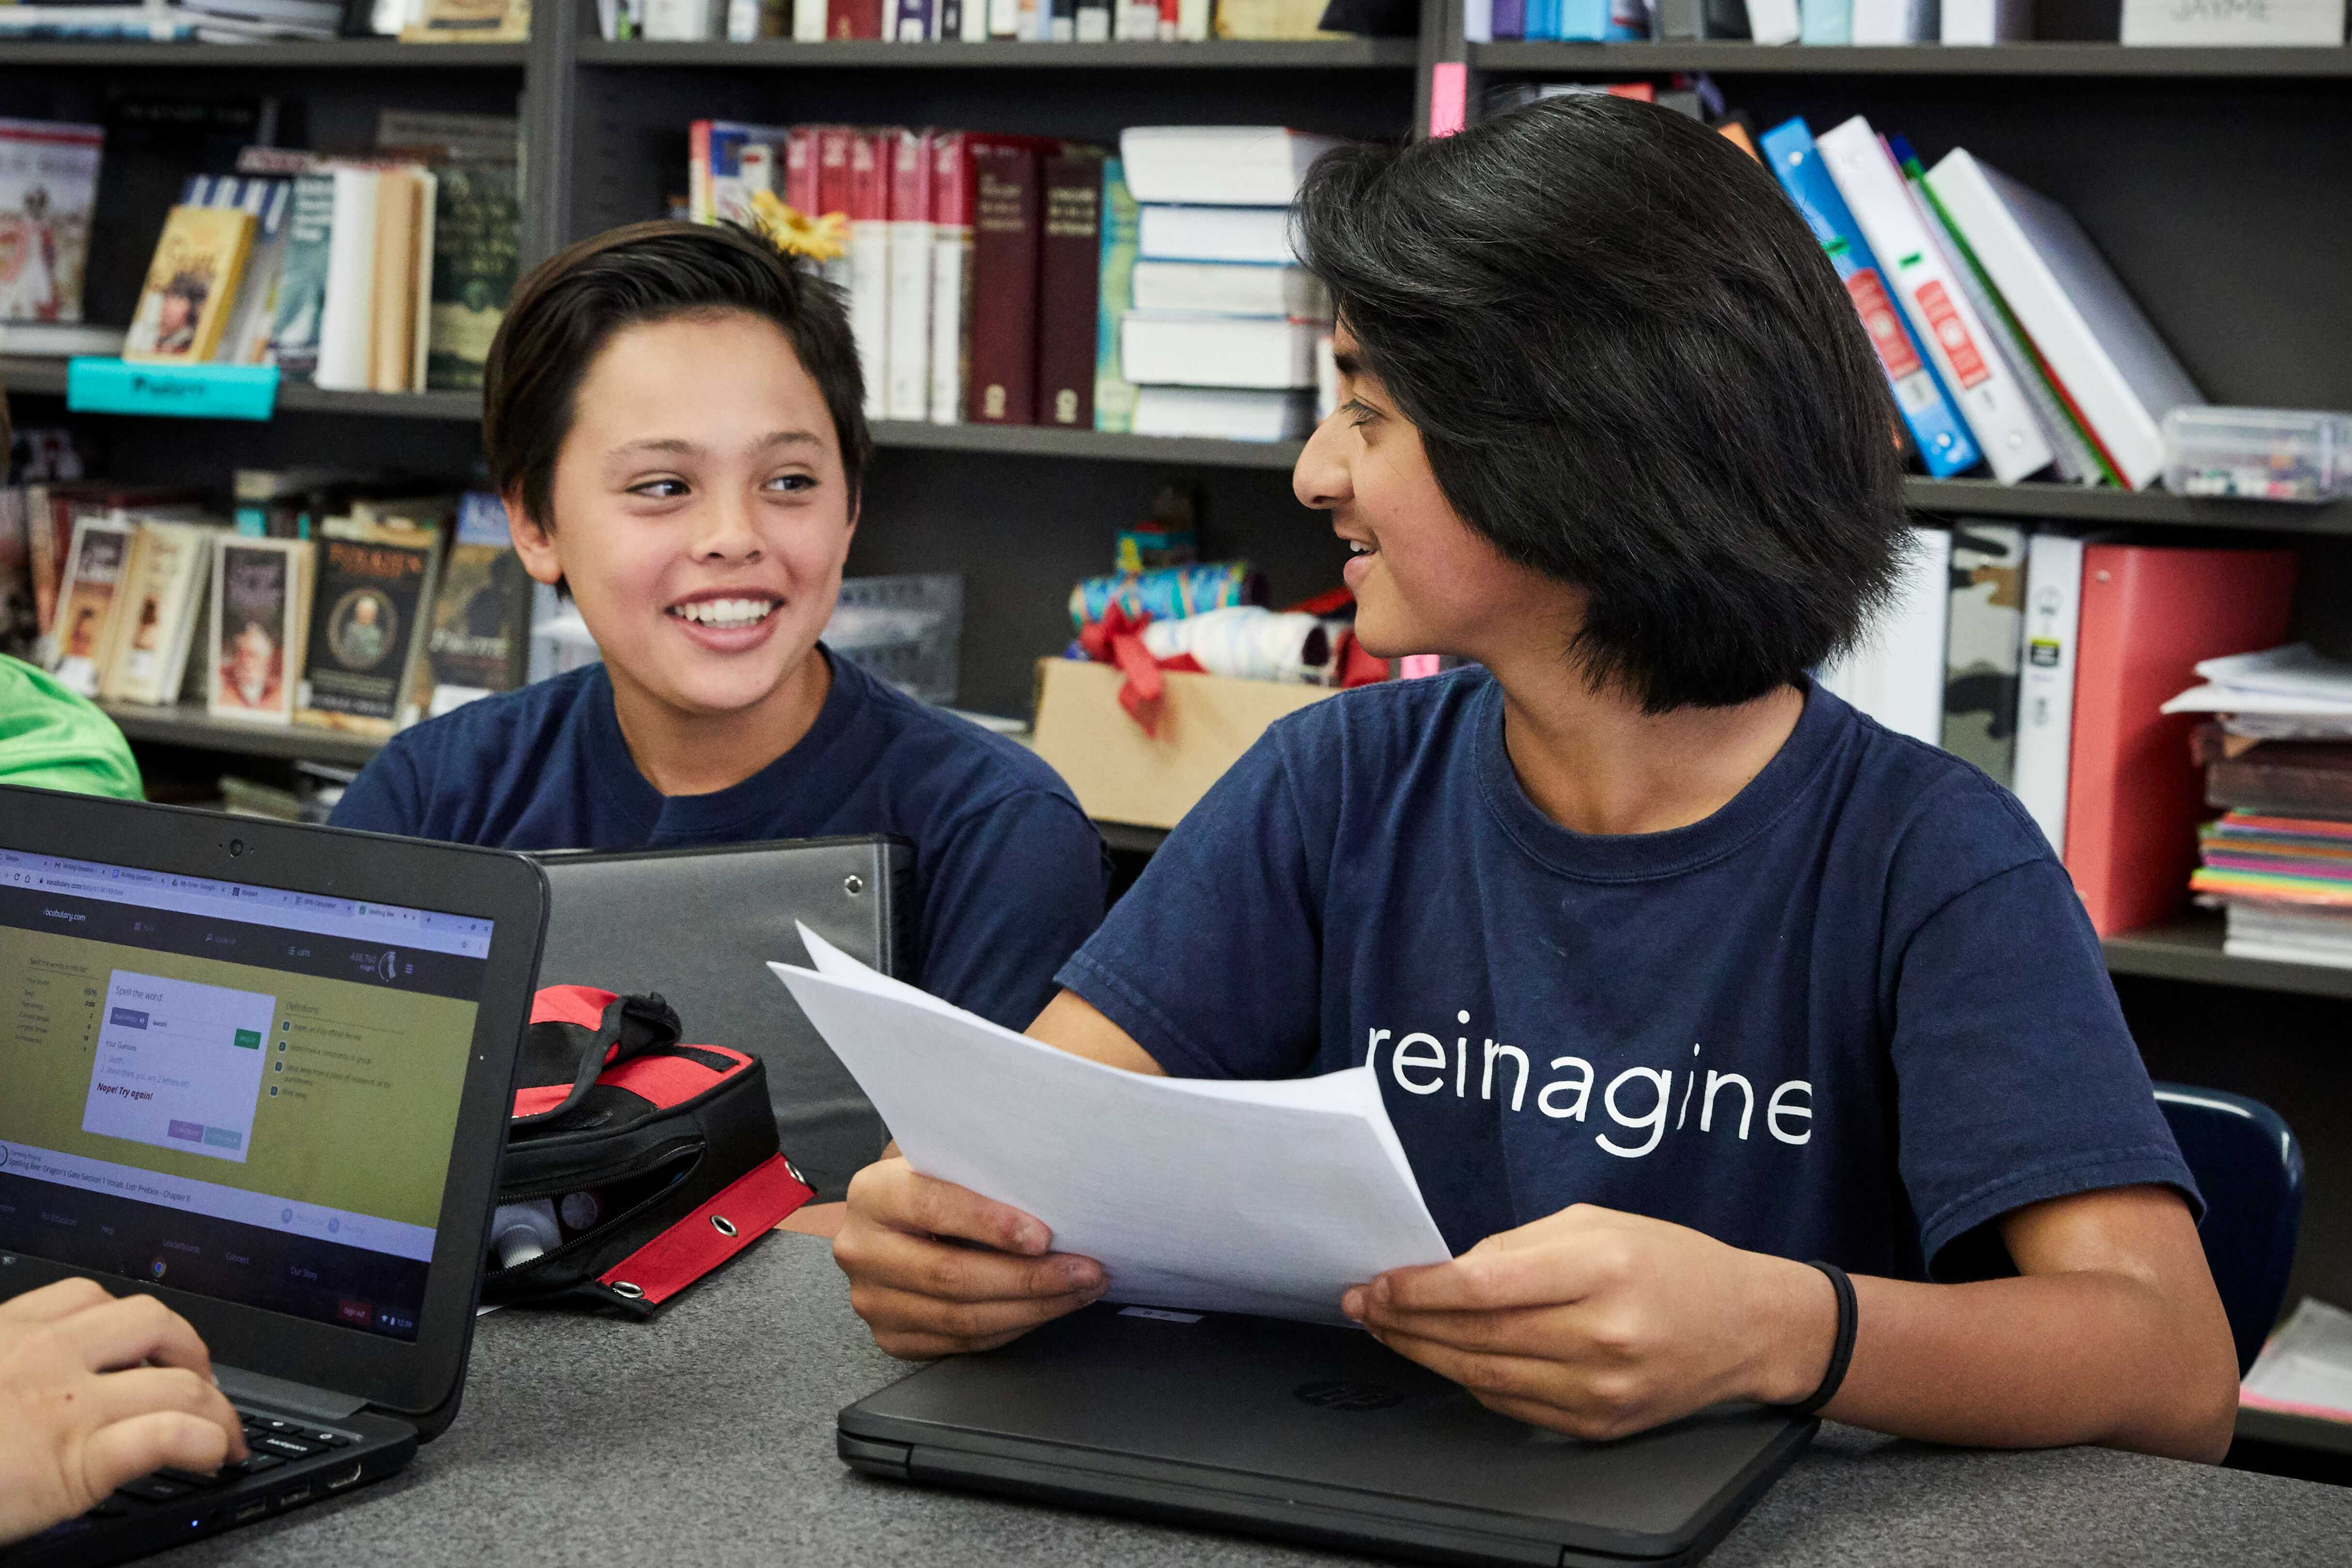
point(1825, 21)
point(302, 277)
point(1115, 395)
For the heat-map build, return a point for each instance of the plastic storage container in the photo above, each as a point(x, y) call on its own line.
point(2265, 454)
point(903, 630)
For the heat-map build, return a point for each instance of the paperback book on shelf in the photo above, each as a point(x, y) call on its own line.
point(192, 282)
point(480, 639)
point(374, 586)
point(48, 188)
point(88, 600)
point(261, 614)
point(163, 591)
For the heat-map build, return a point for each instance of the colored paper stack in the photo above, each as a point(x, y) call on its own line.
point(2279, 757)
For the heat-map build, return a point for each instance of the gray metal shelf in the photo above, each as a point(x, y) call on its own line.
point(2033, 59)
point(2121, 508)
point(190, 726)
point(1044, 441)
point(1308, 54)
point(327, 54)
point(2190, 949)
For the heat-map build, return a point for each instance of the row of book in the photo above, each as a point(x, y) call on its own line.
point(2049, 662)
point(394, 609)
point(2276, 751)
point(977, 21)
point(261, 21)
point(1886, 22)
point(1011, 280)
point(386, 272)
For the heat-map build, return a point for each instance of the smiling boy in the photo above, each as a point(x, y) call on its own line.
point(673, 415)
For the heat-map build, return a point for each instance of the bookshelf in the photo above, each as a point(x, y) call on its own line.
point(2054, 59)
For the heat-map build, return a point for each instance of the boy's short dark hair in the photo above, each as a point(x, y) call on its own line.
point(567, 308)
point(1634, 370)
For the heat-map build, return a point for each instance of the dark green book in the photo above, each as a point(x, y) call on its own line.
point(477, 235)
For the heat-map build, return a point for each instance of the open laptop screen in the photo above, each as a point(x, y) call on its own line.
point(243, 1091)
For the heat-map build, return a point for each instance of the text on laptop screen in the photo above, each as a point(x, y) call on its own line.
point(233, 1090)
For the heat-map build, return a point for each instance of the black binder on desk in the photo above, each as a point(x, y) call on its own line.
point(702, 925)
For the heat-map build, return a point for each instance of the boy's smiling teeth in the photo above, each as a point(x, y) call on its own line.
point(723, 613)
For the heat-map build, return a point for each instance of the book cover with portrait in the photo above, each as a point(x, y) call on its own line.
point(261, 607)
point(375, 595)
point(49, 187)
point(190, 287)
point(85, 616)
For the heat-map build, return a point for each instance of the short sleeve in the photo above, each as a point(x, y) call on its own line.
point(1015, 889)
point(2017, 1078)
point(1212, 961)
point(384, 798)
point(53, 738)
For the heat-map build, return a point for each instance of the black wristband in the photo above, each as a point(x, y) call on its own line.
point(1841, 1349)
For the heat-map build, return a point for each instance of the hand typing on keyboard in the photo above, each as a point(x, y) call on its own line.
point(96, 1392)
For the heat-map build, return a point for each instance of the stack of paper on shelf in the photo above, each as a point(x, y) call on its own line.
point(2279, 860)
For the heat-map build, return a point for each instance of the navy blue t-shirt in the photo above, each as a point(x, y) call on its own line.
point(1009, 873)
point(1853, 1014)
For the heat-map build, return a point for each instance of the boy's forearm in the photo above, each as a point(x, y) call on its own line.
point(2040, 1360)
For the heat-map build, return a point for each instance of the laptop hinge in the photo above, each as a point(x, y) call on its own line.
point(260, 1388)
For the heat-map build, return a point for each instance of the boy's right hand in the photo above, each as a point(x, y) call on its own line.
point(937, 1269)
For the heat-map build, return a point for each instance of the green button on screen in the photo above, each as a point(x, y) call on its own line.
point(249, 1039)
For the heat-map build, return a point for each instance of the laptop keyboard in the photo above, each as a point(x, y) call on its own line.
point(272, 1442)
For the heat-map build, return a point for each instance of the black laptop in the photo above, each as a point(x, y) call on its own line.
point(261, 1071)
point(722, 914)
point(1310, 1433)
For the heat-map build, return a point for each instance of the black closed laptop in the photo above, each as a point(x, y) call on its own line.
point(262, 1072)
point(701, 926)
point(1311, 1433)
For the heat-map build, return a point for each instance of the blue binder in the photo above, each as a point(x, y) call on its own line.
point(1943, 443)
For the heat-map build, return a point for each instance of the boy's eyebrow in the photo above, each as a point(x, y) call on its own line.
point(1347, 364)
point(680, 444)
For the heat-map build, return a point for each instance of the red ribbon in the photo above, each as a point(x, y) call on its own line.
point(1117, 639)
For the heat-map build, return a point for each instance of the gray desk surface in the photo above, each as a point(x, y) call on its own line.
point(707, 1438)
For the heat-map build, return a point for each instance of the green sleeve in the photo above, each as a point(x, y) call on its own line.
point(52, 739)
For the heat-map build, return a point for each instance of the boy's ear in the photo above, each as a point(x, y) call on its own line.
point(534, 545)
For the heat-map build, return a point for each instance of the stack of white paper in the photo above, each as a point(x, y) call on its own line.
point(2293, 692)
point(1251, 1198)
point(2306, 1367)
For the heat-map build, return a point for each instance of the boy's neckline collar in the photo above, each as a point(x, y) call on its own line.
point(1637, 857)
point(679, 818)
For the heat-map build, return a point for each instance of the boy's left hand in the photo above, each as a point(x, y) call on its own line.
point(1599, 1323)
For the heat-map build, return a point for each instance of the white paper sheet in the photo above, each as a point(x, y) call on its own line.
point(2306, 1367)
point(1228, 1197)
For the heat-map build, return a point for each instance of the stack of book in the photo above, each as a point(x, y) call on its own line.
point(2008, 342)
point(962, 21)
point(164, 21)
point(1222, 331)
point(390, 609)
point(1840, 22)
point(2277, 757)
point(2047, 662)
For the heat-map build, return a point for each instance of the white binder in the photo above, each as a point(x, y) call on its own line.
point(1988, 397)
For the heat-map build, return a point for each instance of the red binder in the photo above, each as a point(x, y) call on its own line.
point(2149, 614)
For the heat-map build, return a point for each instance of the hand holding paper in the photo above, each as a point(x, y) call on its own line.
point(1254, 1198)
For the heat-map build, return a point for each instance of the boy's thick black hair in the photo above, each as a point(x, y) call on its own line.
point(567, 308)
point(1634, 370)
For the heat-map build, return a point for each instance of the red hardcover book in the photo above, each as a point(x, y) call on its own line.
point(1069, 276)
point(800, 171)
point(852, 18)
point(1006, 212)
point(2149, 614)
point(833, 168)
point(950, 275)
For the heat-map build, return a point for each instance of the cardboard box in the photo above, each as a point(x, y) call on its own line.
point(1122, 775)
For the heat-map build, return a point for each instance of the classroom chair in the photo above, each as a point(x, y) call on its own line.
point(2250, 1169)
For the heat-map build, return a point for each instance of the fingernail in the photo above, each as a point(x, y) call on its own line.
point(1032, 1239)
point(1379, 1289)
point(1084, 1277)
point(1352, 1302)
